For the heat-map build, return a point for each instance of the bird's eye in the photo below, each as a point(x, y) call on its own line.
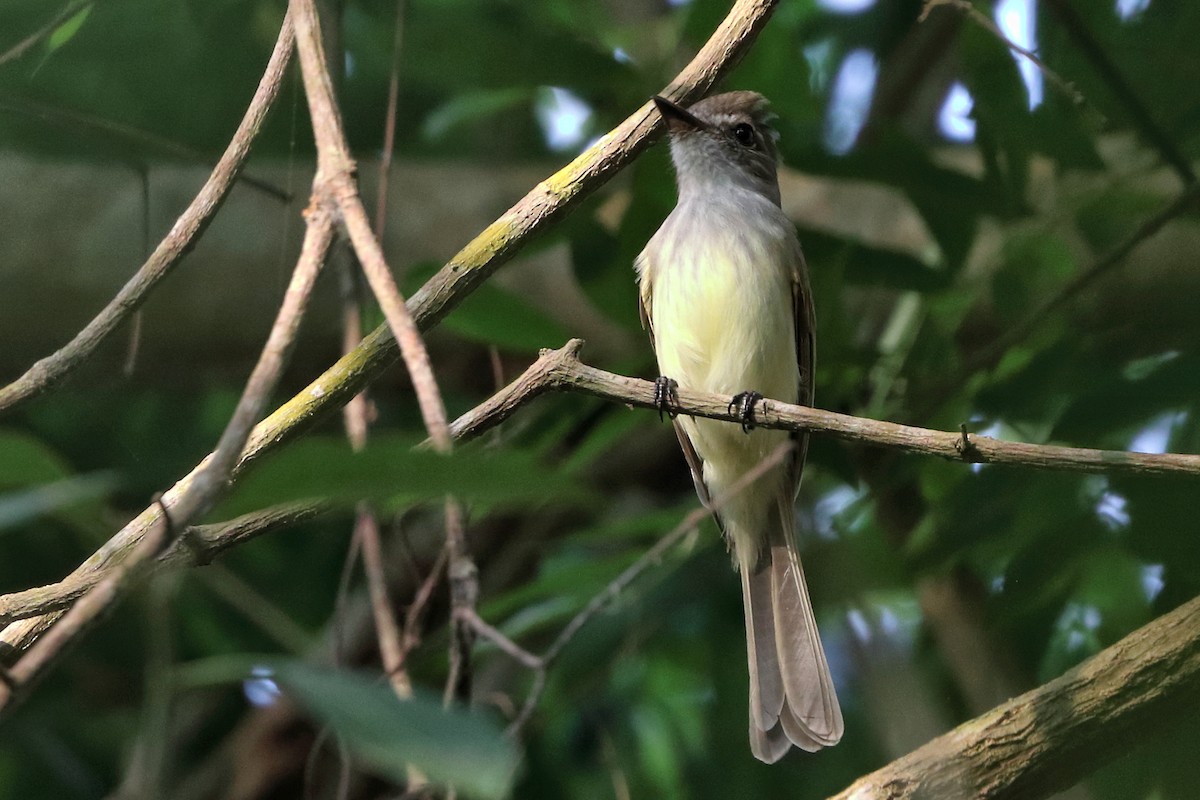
point(744, 133)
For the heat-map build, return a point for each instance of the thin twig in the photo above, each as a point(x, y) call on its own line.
point(212, 478)
point(52, 369)
point(414, 617)
point(655, 553)
point(131, 138)
point(463, 577)
point(389, 124)
point(996, 349)
point(21, 677)
point(340, 652)
point(984, 21)
point(561, 370)
point(195, 546)
point(135, 322)
point(335, 161)
point(357, 412)
point(391, 652)
point(496, 637)
point(356, 415)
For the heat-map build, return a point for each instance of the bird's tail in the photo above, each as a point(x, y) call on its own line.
point(792, 699)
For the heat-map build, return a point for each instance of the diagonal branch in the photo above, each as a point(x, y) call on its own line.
point(335, 163)
point(52, 369)
point(982, 20)
point(1051, 737)
point(209, 480)
point(991, 354)
point(549, 200)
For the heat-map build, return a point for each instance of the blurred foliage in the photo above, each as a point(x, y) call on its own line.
point(394, 736)
point(649, 699)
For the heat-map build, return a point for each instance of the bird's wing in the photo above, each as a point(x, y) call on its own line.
point(804, 319)
point(644, 268)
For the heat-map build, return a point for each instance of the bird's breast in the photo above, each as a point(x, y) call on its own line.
point(722, 306)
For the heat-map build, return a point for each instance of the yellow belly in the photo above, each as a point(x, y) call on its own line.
point(722, 319)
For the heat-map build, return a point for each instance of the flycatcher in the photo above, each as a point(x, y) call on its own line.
point(725, 293)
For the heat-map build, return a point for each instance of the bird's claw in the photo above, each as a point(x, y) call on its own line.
point(665, 393)
point(742, 406)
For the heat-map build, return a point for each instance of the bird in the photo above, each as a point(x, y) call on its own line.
point(725, 295)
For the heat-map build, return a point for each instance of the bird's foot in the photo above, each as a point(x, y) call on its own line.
point(665, 393)
point(742, 405)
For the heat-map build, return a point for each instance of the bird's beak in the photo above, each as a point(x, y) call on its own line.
point(679, 120)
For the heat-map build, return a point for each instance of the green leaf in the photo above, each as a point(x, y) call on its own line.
point(1111, 215)
point(451, 747)
point(603, 271)
point(40, 482)
point(471, 107)
point(391, 470)
point(577, 576)
point(649, 525)
point(1062, 135)
point(492, 315)
point(617, 425)
point(1111, 581)
point(17, 508)
point(872, 266)
point(1034, 265)
point(67, 30)
point(26, 461)
point(1075, 638)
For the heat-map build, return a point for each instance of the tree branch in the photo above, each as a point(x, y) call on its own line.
point(387, 630)
point(334, 159)
point(213, 475)
point(982, 20)
point(561, 370)
point(52, 369)
point(387, 152)
point(1048, 739)
point(20, 679)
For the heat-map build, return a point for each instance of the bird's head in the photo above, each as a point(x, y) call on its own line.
point(723, 141)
